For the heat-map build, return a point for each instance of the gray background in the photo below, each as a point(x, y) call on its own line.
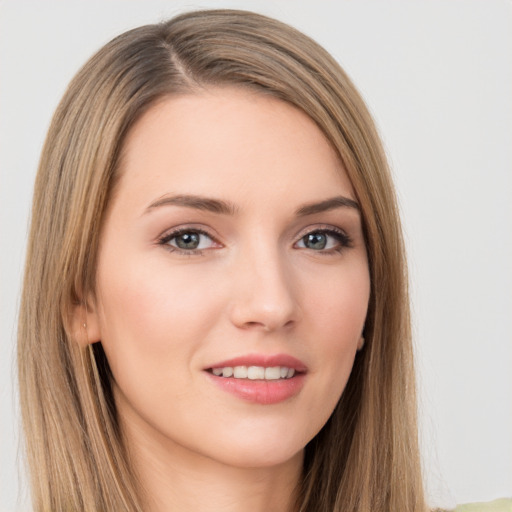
point(437, 76)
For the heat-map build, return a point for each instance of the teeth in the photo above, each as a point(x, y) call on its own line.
point(273, 373)
point(255, 372)
point(239, 372)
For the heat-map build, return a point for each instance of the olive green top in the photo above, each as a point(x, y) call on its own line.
point(502, 505)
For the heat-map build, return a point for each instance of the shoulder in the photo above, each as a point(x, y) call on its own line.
point(502, 505)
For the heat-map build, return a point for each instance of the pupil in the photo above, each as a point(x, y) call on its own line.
point(315, 241)
point(188, 241)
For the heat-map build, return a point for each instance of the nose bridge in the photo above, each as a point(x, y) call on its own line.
point(264, 292)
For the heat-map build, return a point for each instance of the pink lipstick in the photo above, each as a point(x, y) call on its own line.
point(260, 378)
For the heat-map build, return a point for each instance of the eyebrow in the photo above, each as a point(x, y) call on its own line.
point(222, 207)
point(198, 202)
point(328, 204)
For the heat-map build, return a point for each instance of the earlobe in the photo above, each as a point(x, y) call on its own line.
point(85, 325)
point(360, 344)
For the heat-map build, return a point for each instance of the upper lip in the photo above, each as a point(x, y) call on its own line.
point(265, 360)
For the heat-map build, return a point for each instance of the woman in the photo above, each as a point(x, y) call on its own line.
point(215, 308)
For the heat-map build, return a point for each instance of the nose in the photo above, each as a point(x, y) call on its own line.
point(265, 293)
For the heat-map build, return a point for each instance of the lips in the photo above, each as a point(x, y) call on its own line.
point(263, 379)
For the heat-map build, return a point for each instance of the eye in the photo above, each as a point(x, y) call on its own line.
point(327, 240)
point(188, 240)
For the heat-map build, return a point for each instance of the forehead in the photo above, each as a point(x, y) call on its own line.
point(232, 142)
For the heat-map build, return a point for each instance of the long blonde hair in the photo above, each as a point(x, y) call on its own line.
point(366, 457)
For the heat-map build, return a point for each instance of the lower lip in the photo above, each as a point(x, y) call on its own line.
point(263, 392)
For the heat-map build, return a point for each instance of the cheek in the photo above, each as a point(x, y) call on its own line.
point(336, 313)
point(338, 303)
point(153, 315)
point(154, 320)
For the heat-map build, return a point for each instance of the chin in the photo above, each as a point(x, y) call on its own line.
point(255, 448)
point(253, 457)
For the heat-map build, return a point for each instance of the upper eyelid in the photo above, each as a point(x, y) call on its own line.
point(320, 227)
point(176, 231)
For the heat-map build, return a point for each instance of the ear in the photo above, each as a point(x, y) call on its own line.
point(85, 324)
point(360, 344)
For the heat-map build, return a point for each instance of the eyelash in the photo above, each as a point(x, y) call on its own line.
point(341, 237)
point(344, 241)
point(166, 238)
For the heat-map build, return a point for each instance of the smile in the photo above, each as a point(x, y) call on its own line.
point(255, 372)
point(259, 378)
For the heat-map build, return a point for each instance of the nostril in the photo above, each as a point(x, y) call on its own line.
point(267, 326)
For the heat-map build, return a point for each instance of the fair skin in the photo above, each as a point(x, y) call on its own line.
point(270, 268)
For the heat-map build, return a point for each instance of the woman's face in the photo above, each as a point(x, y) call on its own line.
point(232, 282)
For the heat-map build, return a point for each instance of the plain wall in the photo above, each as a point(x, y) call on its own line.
point(437, 76)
